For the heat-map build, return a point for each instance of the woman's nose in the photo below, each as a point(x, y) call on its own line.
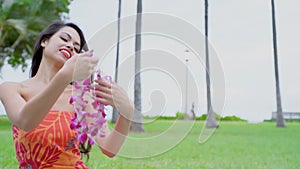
point(71, 47)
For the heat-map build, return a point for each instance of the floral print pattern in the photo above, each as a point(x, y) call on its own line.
point(52, 144)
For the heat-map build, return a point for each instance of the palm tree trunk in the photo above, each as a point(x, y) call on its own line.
point(115, 114)
point(211, 120)
point(2, 35)
point(280, 122)
point(137, 125)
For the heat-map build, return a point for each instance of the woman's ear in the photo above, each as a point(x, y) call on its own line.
point(44, 42)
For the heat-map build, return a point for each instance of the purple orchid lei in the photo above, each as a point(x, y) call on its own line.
point(87, 131)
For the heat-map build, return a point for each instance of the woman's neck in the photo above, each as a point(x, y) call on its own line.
point(46, 71)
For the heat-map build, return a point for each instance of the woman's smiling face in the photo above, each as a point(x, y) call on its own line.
point(63, 44)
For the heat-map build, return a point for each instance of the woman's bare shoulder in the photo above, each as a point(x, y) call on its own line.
point(11, 86)
point(8, 86)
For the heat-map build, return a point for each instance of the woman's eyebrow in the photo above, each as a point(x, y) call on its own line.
point(76, 43)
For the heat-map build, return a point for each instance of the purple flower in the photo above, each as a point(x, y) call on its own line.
point(102, 134)
point(103, 114)
point(83, 123)
point(93, 115)
point(87, 81)
point(98, 75)
point(86, 131)
point(94, 132)
point(96, 105)
point(76, 85)
point(73, 125)
point(108, 79)
point(91, 141)
point(72, 99)
point(100, 121)
point(82, 137)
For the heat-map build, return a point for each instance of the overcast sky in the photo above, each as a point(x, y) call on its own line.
point(240, 33)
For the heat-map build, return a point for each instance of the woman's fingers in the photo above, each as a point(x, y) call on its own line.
point(101, 88)
point(105, 92)
point(104, 83)
point(112, 94)
point(82, 65)
point(102, 100)
point(86, 53)
point(101, 94)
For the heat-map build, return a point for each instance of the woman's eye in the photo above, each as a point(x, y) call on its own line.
point(77, 50)
point(64, 39)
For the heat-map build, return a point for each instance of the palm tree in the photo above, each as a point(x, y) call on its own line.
point(280, 120)
point(136, 125)
point(211, 119)
point(115, 114)
point(20, 24)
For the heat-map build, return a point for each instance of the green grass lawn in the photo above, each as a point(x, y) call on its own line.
point(167, 144)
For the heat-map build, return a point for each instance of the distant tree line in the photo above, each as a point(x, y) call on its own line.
point(203, 117)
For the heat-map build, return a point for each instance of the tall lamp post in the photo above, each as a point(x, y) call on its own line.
point(187, 52)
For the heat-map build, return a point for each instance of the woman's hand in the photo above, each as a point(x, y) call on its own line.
point(80, 66)
point(112, 94)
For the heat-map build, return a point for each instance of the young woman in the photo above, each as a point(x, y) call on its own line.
point(39, 107)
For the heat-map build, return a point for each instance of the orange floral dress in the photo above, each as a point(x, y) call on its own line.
point(52, 144)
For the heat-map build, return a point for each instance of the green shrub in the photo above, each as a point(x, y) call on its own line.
point(180, 115)
point(232, 118)
point(166, 118)
point(204, 116)
point(286, 120)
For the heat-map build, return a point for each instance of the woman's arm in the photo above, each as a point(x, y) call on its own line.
point(113, 95)
point(28, 115)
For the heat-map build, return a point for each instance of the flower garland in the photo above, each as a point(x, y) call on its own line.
point(87, 130)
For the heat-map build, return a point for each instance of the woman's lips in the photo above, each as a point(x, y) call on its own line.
point(66, 53)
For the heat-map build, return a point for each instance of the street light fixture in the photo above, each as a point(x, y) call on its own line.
point(187, 57)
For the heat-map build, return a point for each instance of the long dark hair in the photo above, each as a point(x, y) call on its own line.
point(38, 53)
